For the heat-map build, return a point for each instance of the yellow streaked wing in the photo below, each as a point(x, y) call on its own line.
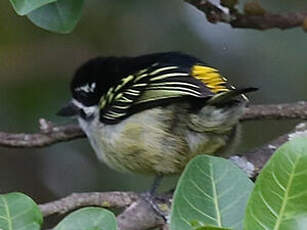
point(210, 77)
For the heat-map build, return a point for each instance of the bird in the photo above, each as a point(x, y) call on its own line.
point(151, 114)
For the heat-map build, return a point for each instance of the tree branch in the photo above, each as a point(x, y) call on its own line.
point(78, 200)
point(138, 214)
point(296, 110)
point(262, 21)
point(50, 134)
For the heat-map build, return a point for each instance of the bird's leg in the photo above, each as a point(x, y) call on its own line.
point(157, 181)
point(158, 207)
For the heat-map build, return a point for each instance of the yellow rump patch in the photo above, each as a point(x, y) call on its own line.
point(210, 77)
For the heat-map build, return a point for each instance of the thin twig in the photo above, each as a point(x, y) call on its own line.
point(77, 200)
point(139, 216)
point(42, 139)
point(264, 21)
point(50, 134)
point(297, 110)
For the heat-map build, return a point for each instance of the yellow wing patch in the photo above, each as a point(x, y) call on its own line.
point(210, 77)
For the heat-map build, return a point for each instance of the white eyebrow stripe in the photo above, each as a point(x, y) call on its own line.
point(86, 88)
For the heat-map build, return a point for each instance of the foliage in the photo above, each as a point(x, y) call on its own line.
point(211, 195)
point(54, 15)
point(211, 190)
point(23, 7)
point(277, 202)
point(18, 211)
point(88, 218)
point(280, 195)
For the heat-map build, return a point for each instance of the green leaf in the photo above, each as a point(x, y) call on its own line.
point(211, 228)
point(279, 200)
point(212, 191)
point(23, 7)
point(196, 225)
point(88, 219)
point(18, 211)
point(61, 16)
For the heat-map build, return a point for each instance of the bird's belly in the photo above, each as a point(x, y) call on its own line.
point(145, 143)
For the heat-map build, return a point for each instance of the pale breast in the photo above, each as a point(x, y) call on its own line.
point(155, 141)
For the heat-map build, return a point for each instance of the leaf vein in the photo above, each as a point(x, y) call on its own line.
point(216, 204)
point(22, 213)
point(203, 172)
point(226, 191)
point(202, 191)
point(277, 181)
point(229, 205)
point(198, 210)
point(181, 216)
point(267, 204)
point(225, 172)
point(279, 196)
point(284, 201)
point(300, 173)
point(297, 195)
point(7, 211)
point(258, 221)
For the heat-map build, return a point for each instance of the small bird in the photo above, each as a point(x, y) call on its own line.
point(151, 114)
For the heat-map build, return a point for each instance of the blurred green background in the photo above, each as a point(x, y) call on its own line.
point(36, 67)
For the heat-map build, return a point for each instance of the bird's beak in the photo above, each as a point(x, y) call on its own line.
point(69, 110)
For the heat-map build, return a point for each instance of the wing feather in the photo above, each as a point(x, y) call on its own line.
point(156, 85)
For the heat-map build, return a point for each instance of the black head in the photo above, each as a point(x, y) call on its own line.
point(94, 78)
point(87, 85)
point(90, 82)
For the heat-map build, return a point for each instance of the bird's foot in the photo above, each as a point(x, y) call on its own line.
point(161, 205)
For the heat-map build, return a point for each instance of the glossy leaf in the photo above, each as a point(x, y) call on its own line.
point(212, 191)
point(91, 218)
point(211, 228)
point(196, 225)
point(23, 7)
point(279, 200)
point(61, 16)
point(19, 212)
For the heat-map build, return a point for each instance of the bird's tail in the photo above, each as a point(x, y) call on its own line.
point(221, 112)
point(225, 97)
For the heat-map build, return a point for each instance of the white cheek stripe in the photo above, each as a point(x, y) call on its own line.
point(88, 110)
